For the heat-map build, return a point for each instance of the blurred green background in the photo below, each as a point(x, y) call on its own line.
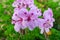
point(7, 29)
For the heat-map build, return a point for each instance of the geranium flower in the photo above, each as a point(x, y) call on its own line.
point(18, 19)
point(32, 18)
point(47, 22)
point(22, 3)
point(35, 10)
point(23, 18)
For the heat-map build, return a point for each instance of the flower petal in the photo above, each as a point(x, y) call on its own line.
point(47, 30)
point(17, 27)
point(42, 30)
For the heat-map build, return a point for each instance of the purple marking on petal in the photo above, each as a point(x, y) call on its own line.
point(46, 25)
point(15, 14)
point(25, 13)
point(23, 5)
point(18, 6)
point(28, 19)
point(32, 14)
point(47, 19)
point(19, 3)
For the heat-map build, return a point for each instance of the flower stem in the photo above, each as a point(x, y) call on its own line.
point(46, 36)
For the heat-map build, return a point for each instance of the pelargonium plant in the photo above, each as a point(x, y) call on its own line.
point(23, 18)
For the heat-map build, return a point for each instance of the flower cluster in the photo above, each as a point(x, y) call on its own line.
point(47, 22)
point(22, 18)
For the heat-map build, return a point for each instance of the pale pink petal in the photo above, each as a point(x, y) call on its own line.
point(51, 25)
point(47, 30)
point(50, 12)
point(35, 11)
point(15, 17)
point(24, 25)
point(42, 30)
point(31, 25)
point(17, 27)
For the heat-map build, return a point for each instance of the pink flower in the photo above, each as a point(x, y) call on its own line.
point(47, 22)
point(23, 18)
point(32, 18)
point(19, 4)
point(48, 14)
point(35, 10)
point(30, 3)
point(18, 19)
point(22, 3)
